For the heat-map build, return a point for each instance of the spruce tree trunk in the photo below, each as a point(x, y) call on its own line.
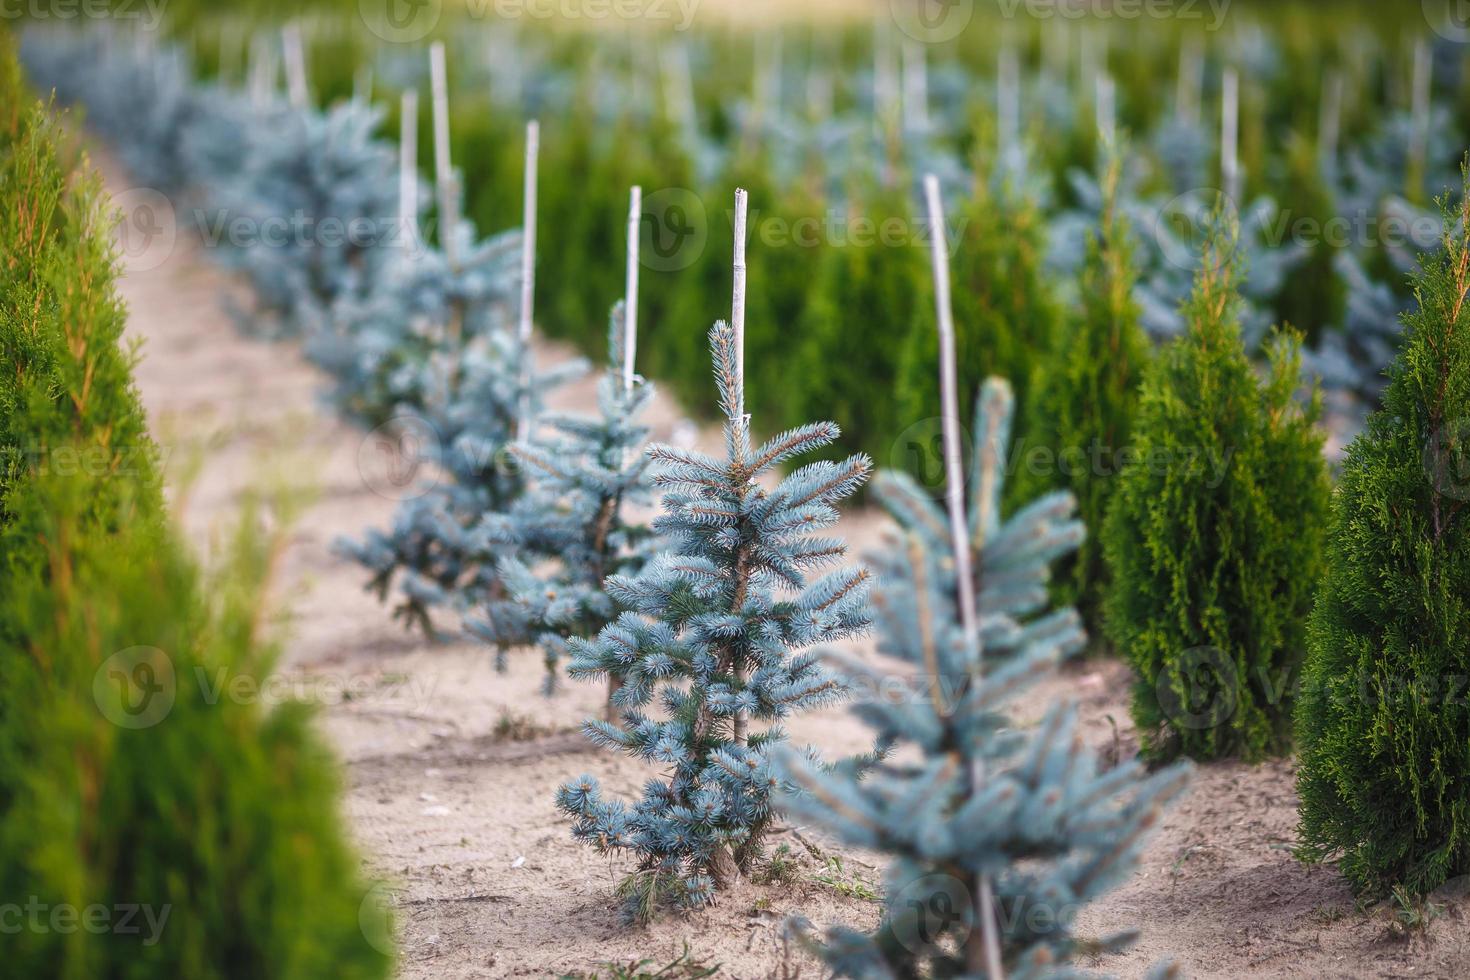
point(723, 869)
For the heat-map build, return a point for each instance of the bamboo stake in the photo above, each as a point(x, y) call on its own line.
point(1191, 82)
point(915, 84)
point(528, 275)
point(443, 170)
point(408, 167)
point(1107, 108)
point(630, 287)
point(885, 77)
point(737, 323)
point(1423, 78)
point(1329, 128)
point(737, 303)
point(295, 55)
point(1008, 99)
point(985, 954)
point(1230, 136)
point(262, 72)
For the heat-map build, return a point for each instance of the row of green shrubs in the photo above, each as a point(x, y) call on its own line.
point(1259, 608)
point(147, 827)
point(853, 312)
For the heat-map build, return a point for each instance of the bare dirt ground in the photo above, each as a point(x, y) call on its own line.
point(450, 767)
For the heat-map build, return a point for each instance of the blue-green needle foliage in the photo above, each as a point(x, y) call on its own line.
point(432, 550)
point(473, 402)
point(379, 346)
point(1382, 720)
point(570, 531)
point(967, 794)
point(711, 635)
point(315, 200)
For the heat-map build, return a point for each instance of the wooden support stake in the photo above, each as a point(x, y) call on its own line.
point(1329, 127)
point(737, 303)
point(408, 168)
point(1230, 136)
point(1008, 99)
point(982, 951)
point(1423, 80)
point(528, 275)
point(295, 55)
point(444, 183)
point(630, 287)
point(915, 84)
point(1107, 108)
point(1191, 82)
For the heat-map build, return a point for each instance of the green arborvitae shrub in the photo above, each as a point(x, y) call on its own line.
point(1382, 722)
point(1317, 299)
point(1083, 405)
point(859, 308)
point(1006, 314)
point(1213, 539)
point(152, 823)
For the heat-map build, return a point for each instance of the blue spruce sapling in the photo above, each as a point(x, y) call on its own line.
point(712, 634)
point(996, 834)
point(570, 532)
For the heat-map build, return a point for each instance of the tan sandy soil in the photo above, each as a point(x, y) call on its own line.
point(450, 767)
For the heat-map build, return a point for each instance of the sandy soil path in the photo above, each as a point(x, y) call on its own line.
point(451, 767)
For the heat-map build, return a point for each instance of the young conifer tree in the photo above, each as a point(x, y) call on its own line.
point(1213, 538)
point(570, 531)
point(1082, 407)
point(479, 393)
point(993, 833)
point(1385, 766)
point(712, 633)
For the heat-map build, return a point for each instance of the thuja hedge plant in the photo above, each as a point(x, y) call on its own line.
point(1214, 535)
point(712, 636)
point(124, 784)
point(1083, 403)
point(1385, 765)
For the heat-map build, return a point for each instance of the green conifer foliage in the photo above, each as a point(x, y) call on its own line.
point(1083, 405)
point(1006, 315)
point(1214, 535)
point(1317, 299)
point(127, 783)
point(1382, 722)
point(865, 296)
